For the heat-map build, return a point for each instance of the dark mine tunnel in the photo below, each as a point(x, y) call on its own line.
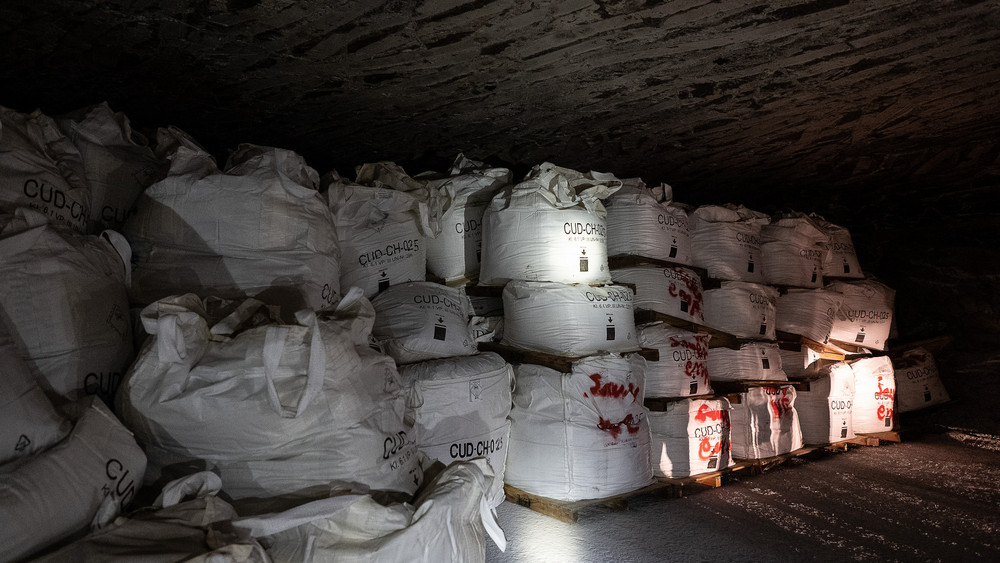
point(316, 129)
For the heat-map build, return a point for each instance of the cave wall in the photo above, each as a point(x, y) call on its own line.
point(881, 116)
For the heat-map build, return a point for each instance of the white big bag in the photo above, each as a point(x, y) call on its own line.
point(550, 227)
point(275, 409)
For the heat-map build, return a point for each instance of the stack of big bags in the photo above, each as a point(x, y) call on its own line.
point(249, 360)
point(582, 433)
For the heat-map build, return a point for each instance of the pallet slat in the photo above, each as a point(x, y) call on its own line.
point(562, 364)
point(569, 511)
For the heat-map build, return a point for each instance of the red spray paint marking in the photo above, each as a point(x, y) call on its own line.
point(706, 450)
point(615, 428)
point(705, 413)
point(699, 346)
point(883, 412)
point(612, 389)
point(887, 394)
point(696, 369)
point(692, 294)
point(615, 391)
point(780, 406)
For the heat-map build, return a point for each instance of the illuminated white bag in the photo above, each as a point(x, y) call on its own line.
point(418, 321)
point(28, 421)
point(569, 320)
point(690, 437)
point(259, 229)
point(672, 291)
point(764, 423)
point(825, 409)
point(550, 227)
point(64, 300)
point(90, 476)
point(460, 409)
point(118, 162)
point(865, 314)
point(187, 522)
point(792, 252)
point(642, 222)
point(842, 260)
point(918, 383)
point(682, 369)
point(275, 409)
point(874, 395)
point(457, 251)
point(582, 434)
point(726, 243)
point(744, 310)
point(752, 361)
point(448, 521)
point(807, 312)
point(41, 169)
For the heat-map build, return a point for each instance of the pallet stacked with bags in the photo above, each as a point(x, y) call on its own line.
point(578, 424)
point(196, 382)
point(650, 242)
point(247, 361)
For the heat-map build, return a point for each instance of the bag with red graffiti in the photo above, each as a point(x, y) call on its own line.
point(918, 382)
point(644, 222)
point(672, 291)
point(765, 423)
point(690, 437)
point(825, 409)
point(582, 434)
point(681, 370)
point(874, 395)
point(88, 478)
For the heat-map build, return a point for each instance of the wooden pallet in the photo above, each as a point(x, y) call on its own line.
point(719, 339)
point(758, 466)
point(659, 404)
point(736, 387)
point(876, 439)
point(569, 511)
point(630, 260)
point(562, 364)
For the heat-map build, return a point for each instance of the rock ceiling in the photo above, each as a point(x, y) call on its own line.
point(721, 99)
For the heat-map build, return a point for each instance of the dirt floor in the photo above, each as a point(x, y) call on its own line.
point(934, 497)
